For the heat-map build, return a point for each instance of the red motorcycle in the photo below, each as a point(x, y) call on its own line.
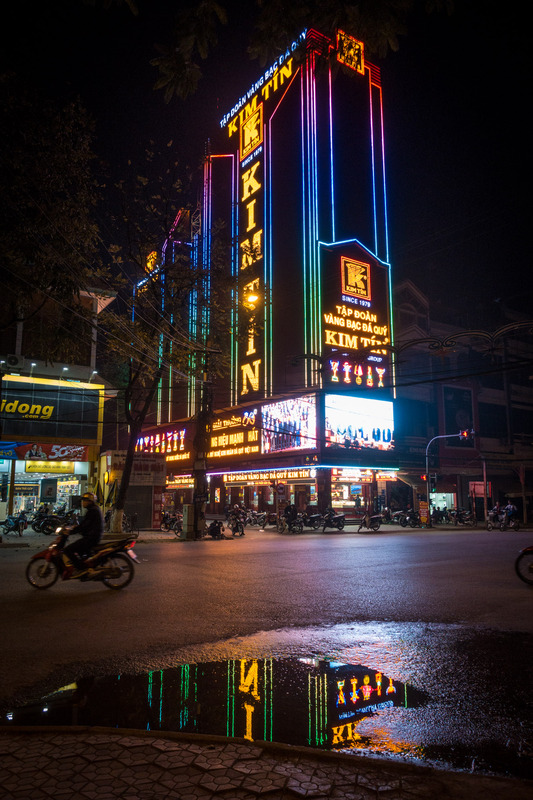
point(109, 562)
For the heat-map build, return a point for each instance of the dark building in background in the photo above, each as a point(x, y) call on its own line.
point(453, 374)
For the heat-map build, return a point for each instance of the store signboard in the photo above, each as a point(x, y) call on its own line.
point(349, 475)
point(271, 476)
point(235, 434)
point(57, 467)
point(42, 451)
point(51, 410)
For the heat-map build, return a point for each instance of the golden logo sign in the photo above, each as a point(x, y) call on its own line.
point(355, 278)
point(251, 131)
point(350, 52)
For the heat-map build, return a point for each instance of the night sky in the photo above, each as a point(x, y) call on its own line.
point(455, 121)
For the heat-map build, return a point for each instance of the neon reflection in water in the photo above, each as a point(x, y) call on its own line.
point(300, 701)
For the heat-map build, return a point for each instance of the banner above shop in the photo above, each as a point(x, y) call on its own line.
point(52, 410)
point(32, 451)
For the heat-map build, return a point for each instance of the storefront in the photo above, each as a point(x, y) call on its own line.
point(52, 431)
point(36, 482)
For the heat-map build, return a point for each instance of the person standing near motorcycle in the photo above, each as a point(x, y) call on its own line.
point(91, 528)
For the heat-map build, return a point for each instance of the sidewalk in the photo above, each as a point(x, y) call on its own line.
point(104, 764)
point(38, 540)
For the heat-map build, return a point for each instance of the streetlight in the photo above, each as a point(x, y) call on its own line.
point(464, 434)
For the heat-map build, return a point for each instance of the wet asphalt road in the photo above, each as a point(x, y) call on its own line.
point(188, 593)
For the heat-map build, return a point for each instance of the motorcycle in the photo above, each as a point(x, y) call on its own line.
point(14, 524)
point(268, 518)
point(109, 562)
point(462, 517)
point(509, 522)
point(524, 565)
point(54, 521)
point(38, 518)
point(253, 518)
point(371, 523)
point(332, 520)
point(236, 523)
point(412, 518)
point(313, 521)
point(171, 522)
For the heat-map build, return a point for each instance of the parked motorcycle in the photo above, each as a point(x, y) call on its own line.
point(168, 521)
point(16, 524)
point(370, 523)
point(524, 565)
point(332, 520)
point(177, 524)
point(463, 517)
point(313, 521)
point(54, 521)
point(110, 562)
point(38, 518)
point(412, 518)
point(253, 518)
point(268, 518)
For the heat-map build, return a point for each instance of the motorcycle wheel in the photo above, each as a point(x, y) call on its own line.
point(296, 527)
point(36, 526)
point(403, 523)
point(375, 526)
point(124, 565)
point(340, 526)
point(524, 567)
point(41, 573)
point(316, 524)
point(515, 525)
point(48, 527)
point(413, 523)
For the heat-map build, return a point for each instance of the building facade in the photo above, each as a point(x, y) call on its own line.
point(296, 171)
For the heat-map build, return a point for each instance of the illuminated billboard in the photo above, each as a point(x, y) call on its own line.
point(289, 425)
point(358, 422)
point(356, 331)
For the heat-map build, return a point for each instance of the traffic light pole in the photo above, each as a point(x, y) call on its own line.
point(460, 435)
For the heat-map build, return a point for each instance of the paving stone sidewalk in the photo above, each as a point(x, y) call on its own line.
point(104, 764)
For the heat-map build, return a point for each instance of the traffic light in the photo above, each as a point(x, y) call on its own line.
point(432, 484)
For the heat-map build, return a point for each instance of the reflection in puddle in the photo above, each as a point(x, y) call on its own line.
point(300, 701)
point(316, 701)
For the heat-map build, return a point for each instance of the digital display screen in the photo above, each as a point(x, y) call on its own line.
point(289, 425)
point(358, 422)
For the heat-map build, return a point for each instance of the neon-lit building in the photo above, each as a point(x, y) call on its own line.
point(296, 170)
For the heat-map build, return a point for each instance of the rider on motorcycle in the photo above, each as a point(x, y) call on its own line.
point(91, 528)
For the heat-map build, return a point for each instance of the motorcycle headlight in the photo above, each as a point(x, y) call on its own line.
point(58, 530)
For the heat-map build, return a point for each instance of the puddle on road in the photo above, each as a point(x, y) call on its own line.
point(454, 717)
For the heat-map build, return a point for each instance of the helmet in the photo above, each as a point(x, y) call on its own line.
point(88, 496)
